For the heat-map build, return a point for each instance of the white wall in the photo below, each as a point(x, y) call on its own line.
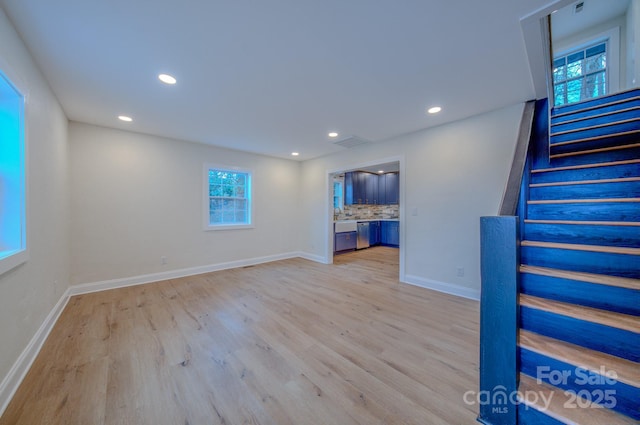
point(633, 44)
point(135, 198)
point(619, 26)
point(29, 292)
point(453, 175)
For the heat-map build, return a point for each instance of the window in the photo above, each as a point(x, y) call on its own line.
point(338, 195)
point(228, 198)
point(580, 75)
point(13, 244)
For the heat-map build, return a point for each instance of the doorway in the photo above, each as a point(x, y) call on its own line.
point(366, 213)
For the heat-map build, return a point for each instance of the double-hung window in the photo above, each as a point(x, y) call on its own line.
point(13, 242)
point(227, 198)
point(580, 75)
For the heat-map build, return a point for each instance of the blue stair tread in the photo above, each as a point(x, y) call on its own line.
point(613, 210)
point(594, 111)
point(584, 182)
point(611, 260)
point(597, 103)
point(591, 149)
point(621, 282)
point(621, 295)
point(582, 247)
point(594, 233)
point(605, 125)
point(627, 371)
point(628, 187)
point(596, 117)
point(602, 317)
point(559, 401)
point(590, 156)
point(615, 132)
point(590, 171)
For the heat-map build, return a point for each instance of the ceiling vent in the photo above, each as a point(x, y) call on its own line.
point(579, 7)
point(352, 142)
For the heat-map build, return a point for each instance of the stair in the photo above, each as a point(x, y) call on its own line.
point(579, 336)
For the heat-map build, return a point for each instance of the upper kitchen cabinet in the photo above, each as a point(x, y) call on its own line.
point(363, 188)
point(371, 188)
point(392, 188)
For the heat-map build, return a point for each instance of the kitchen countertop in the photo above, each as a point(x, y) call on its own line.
point(358, 220)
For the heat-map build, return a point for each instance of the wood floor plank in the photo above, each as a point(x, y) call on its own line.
point(288, 343)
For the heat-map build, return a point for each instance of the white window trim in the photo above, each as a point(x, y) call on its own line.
point(12, 258)
point(612, 37)
point(205, 198)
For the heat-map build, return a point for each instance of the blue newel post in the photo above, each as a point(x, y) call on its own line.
point(498, 320)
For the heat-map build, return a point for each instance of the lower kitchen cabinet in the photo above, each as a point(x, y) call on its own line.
point(374, 233)
point(345, 241)
point(390, 233)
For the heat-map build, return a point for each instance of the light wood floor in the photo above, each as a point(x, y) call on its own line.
point(291, 342)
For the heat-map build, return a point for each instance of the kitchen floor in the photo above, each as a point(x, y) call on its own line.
point(371, 257)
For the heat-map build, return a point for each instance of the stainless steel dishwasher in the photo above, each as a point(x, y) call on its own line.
point(363, 235)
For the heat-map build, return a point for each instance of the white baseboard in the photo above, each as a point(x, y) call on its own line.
point(104, 285)
point(19, 370)
point(447, 288)
point(313, 257)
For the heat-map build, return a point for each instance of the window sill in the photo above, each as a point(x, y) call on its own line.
point(229, 227)
point(10, 259)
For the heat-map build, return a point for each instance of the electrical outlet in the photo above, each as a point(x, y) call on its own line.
point(460, 271)
point(163, 260)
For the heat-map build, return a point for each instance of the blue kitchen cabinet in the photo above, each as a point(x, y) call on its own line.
point(348, 189)
point(392, 188)
point(390, 233)
point(345, 241)
point(354, 188)
point(361, 188)
point(382, 190)
point(374, 233)
point(371, 188)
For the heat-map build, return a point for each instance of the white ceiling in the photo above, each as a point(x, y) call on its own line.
point(275, 76)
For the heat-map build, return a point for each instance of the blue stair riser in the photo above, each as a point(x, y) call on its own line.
point(622, 265)
point(530, 416)
point(631, 103)
point(590, 145)
point(614, 341)
point(595, 102)
point(629, 189)
point(609, 130)
point(604, 297)
point(595, 173)
point(581, 157)
point(602, 388)
point(597, 211)
point(594, 121)
point(624, 236)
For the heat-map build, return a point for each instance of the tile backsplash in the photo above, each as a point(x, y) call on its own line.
point(366, 212)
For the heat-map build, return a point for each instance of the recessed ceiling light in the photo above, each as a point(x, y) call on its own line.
point(380, 171)
point(333, 134)
point(167, 79)
point(125, 118)
point(434, 110)
point(295, 153)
